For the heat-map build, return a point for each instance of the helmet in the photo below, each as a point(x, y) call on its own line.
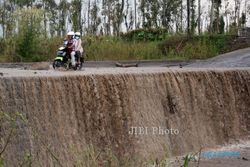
point(77, 34)
point(71, 33)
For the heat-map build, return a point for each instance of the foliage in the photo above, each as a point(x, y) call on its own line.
point(100, 48)
point(28, 42)
point(1, 162)
point(109, 48)
point(197, 47)
point(146, 35)
point(46, 50)
point(94, 157)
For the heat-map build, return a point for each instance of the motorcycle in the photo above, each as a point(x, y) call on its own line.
point(63, 60)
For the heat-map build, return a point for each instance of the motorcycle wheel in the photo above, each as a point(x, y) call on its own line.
point(57, 64)
point(81, 63)
point(75, 67)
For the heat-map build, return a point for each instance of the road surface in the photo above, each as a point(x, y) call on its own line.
point(239, 58)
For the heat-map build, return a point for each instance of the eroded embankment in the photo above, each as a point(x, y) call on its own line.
point(60, 117)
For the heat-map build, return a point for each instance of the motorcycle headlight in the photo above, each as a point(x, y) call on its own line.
point(60, 53)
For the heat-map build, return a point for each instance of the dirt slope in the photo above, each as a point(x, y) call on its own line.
point(64, 113)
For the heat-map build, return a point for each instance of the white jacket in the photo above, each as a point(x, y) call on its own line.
point(78, 45)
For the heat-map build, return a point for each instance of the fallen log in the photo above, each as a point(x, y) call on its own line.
point(126, 65)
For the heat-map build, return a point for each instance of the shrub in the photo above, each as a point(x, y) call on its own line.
point(196, 47)
point(108, 48)
point(146, 35)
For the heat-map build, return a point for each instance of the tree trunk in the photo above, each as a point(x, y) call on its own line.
point(44, 20)
point(88, 21)
point(135, 5)
point(3, 18)
point(212, 16)
point(80, 16)
point(199, 17)
point(188, 18)
point(192, 5)
point(181, 15)
point(235, 12)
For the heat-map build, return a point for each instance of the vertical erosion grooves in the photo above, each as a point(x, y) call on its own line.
point(59, 119)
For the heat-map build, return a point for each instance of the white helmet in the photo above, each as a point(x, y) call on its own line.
point(71, 33)
point(77, 34)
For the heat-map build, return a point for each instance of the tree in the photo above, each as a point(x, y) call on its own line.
point(63, 6)
point(135, 14)
point(129, 17)
point(95, 19)
point(222, 25)
point(170, 14)
point(3, 16)
point(243, 20)
point(7, 10)
point(211, 16)
point(51, 14)
point(193, 21)
point(143, 12)
point(188, 17)
point(29, 32)
point(76, 8)
point(199, 17)
point(27, 3)
point(217, 5)
point(117, 17)
point(237, 4)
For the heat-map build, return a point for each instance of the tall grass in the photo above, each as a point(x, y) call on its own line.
point(118, 49)
point(96, 48)
point(44, 50)
point(99, 48)
point(196, 47)
point(94, 157)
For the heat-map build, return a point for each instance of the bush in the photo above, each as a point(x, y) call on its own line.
point(196, 47)
point(146, 35)
point(109, 48)
point(114, 48)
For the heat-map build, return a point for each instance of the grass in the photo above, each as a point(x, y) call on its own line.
point(100, 48)
point(196, 47)
point(93, 157)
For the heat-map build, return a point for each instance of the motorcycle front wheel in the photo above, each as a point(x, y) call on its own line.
point(57, 64)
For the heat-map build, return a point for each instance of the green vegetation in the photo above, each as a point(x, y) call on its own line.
point(198, 47)
point(110, 48)
point(32, 30)
point(131, 46)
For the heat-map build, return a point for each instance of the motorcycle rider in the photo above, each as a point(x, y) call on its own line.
point(78, 47)
point(70, 44)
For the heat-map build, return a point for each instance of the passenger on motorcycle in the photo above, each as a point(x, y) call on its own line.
point(78, 46)
point(71, 47)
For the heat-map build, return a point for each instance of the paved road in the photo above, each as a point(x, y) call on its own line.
point(108, 64)
point(239, 58)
